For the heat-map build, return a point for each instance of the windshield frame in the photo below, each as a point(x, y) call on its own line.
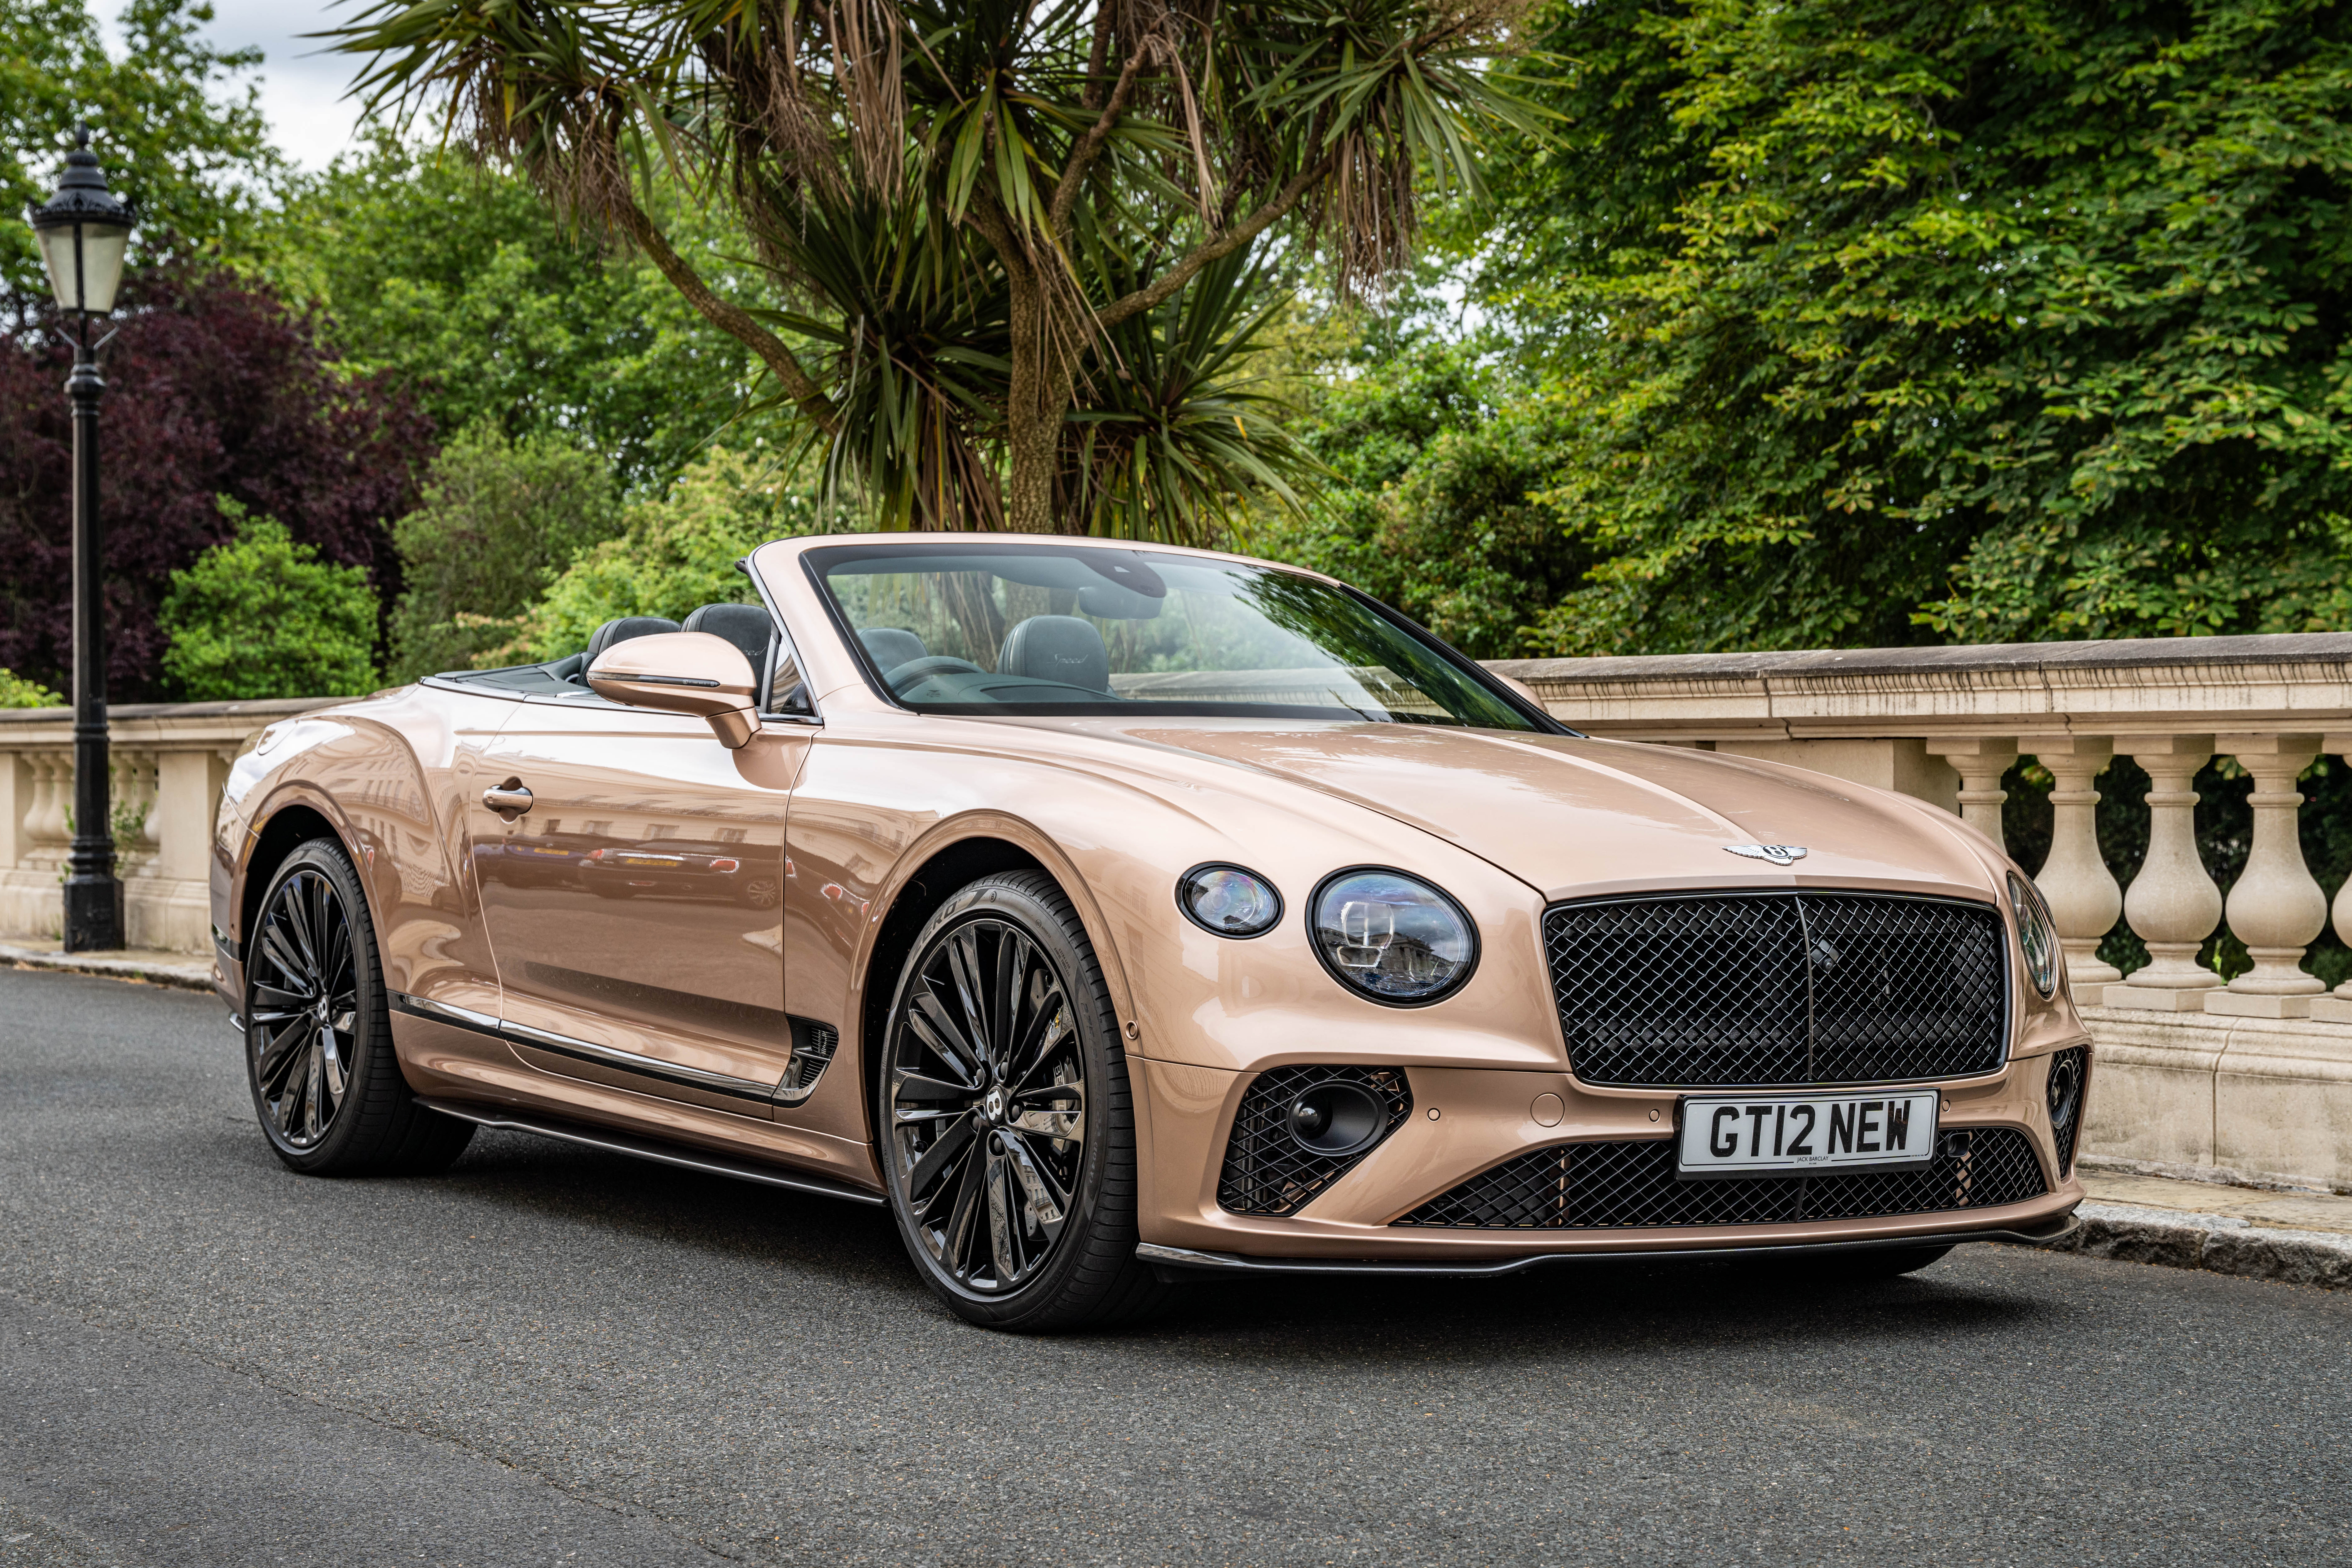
point(967, 544)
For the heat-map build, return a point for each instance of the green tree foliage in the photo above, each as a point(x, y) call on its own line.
point(499, 519)
point(676, 554)
point(1877, 321)
point(16, 692)
point(1439, 456)
point(458, 279)
point(974, 216)
point(174, 121)
point(261, 616)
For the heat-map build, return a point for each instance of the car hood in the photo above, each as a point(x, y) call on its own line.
point(1574, 816)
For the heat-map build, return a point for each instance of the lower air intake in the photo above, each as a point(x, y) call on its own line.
point(1596, 1187)
point(2069, 1072)
point(1268, 1169)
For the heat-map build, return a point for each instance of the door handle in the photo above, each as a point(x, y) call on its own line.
point(509, 800)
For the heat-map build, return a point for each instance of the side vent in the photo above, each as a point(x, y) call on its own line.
point(813, 1048)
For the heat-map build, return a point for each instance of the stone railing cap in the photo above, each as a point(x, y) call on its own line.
point(2125, 653)
point(259, 709)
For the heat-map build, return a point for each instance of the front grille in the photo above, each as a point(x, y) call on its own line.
point(1759, 989)
point(2066, 1120)
point(1594, 1186)
point(1266, 1172)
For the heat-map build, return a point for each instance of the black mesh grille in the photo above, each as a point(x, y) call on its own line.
point(1754, 990)
point(1266, 1170)
point(1589, 1186)
point(2066, 1119)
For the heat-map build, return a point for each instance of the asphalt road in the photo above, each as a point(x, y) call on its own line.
point(551, 1356)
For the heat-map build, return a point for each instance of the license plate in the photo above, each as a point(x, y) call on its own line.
point(1753, 1134)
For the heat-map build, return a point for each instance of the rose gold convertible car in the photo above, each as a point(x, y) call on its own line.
point(1117, 914)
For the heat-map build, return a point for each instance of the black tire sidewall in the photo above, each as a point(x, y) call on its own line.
point(372, 1061)
point(1048, 1301)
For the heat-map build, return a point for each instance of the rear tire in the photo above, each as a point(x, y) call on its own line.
point(318, 1032)
point(1008, 1134)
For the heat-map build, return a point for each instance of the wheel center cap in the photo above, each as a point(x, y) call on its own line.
point(993, 1107)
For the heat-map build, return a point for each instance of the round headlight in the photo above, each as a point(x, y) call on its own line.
point(1390, 936)
point(2036, 933)
point(1229, 900)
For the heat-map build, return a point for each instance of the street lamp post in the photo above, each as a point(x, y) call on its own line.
point(82, 231)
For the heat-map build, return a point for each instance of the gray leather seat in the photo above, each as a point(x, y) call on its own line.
point(746, 626)
point(892, 646)
point(1065, 649)
point(621, 628)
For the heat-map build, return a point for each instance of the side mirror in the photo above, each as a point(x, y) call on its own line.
point(683, 672)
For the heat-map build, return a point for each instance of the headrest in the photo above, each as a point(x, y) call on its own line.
point(746, 626)
point(1065, 649)
point(891, 646)
point(623, 627)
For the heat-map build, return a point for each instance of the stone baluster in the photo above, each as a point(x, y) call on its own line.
point(2336, 1006)
point(52, 790)
point(2173, 904)
point(2082, 893)
point(2275, 906)
point(1980, 761)
point(150, 777)
point(16, 809)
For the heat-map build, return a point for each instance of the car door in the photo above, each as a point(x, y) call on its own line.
point(635, 908)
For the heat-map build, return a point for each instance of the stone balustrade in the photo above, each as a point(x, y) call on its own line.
point(2251, 1077)
point(169, 763)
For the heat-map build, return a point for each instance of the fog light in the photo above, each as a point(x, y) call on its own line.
point(1336, 1120)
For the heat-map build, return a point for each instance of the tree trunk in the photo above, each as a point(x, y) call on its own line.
point(1033, 413)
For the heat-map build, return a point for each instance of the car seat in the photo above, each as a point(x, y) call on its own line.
point(892, 646)
point(621, 628)
point(1065, 649)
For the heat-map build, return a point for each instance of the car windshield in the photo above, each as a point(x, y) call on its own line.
point(1047, 628)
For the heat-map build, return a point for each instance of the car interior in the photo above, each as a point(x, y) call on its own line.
point(1053, 650)
point(748, 627)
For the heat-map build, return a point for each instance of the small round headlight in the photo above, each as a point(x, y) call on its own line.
point(1229, 900)
point(2036, 933)
point(1390, 936)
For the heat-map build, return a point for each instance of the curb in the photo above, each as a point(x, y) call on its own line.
point(195, 975)
point(2218, 1244)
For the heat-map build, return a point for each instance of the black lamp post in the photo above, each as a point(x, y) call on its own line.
point(82, 231)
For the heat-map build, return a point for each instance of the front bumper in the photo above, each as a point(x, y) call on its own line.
point(1483, 1117)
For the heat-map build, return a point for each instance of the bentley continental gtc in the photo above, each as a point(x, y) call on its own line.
point(1115, 915)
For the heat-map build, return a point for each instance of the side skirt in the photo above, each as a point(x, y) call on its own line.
point(685, 1157)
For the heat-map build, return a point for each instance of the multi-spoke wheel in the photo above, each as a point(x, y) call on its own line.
point(317, 1035)
point(1002, 1094)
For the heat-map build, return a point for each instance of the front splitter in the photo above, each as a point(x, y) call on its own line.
point(1181, 1262)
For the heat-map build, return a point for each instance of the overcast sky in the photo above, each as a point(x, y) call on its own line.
point(301, 89)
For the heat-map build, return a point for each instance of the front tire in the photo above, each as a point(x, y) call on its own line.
point(1008, 1135)
point(318, 1032)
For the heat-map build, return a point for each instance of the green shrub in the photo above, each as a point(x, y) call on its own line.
point(501, 519)
point(673, 555)
point(263, 617)
point(16, 692)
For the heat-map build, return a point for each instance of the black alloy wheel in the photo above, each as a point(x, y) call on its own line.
point(1003, 1089)
point(303, 1025)
point(319, 1055)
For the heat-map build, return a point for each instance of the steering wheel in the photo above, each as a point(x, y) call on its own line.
point(915, 669)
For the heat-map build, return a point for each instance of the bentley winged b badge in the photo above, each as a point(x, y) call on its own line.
point(1778, 854)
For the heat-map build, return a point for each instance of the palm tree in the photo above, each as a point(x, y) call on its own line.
point(1015, 242)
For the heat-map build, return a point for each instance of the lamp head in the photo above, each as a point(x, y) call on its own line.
point(83, 229)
